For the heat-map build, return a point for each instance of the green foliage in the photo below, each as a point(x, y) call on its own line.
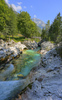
point(43, 35)
point(25, 25)
point(59, 50)
point(45, 31)
point(8, 22)
point(12, 23)
point(55, 30)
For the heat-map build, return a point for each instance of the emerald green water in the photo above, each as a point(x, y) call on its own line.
point(22, 65)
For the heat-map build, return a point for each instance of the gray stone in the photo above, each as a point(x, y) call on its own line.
point(1, 52)
point(9, 89)
point(30, 44)
point(46, 45)
point(47, 82)
point(7, 71)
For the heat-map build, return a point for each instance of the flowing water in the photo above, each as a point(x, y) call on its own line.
point(22, 66)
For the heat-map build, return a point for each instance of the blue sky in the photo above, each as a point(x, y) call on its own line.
point(41, 9)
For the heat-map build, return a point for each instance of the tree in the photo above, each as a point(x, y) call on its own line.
point(47, 26)
point(12, 22)
point(43, 35)
point(8, 19)
point(56, 29)
point(25, 25)
point(45, 31)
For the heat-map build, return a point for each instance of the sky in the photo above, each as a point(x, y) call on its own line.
point(42, 9)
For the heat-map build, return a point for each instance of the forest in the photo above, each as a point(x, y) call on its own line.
point(13, 23)
point(53, 32)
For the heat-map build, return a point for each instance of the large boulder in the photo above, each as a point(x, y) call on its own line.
point(20, 46)
point(8, 89)
point(15, 50)
point(52, 61)
point(31, 44)
point(46, 45)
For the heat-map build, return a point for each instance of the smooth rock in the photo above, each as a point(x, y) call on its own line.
point(46, 45)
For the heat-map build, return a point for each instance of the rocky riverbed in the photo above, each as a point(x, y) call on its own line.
point(11, 84)
point(46, 79)
point(10, 50)
point(44, 82)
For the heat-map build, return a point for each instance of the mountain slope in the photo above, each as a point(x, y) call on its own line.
point(39, 23)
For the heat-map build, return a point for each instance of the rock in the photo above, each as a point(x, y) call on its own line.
point(1, 52)
point(15, 50)
point(5, 45)
point(30, 44)
point(52, 60)
point(48, 89)
point(8, 89)
point(43, 51)
point(47, 82)
point(7, 71)
point(46, 45)
point(1, 48)
point(1, 41)
point(20, 46)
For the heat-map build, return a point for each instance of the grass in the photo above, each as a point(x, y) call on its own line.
point(21, 38)
point(18, 38)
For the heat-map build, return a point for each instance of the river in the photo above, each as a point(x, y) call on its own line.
point(20, 67)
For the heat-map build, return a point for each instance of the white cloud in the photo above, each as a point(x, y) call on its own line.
point(31, 6)
point(7, 2)
point(25, 7)
point(19, 3)
point(16, 8)
point(35, 16)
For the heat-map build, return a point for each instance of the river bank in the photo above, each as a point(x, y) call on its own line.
point(46, 79)
point(13, 75)
point(10, 50)
point(44, 82)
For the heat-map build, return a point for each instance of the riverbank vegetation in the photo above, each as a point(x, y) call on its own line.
point(53, 32)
